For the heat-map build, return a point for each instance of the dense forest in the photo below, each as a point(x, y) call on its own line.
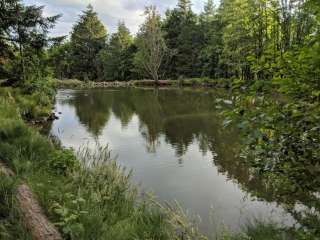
point(265, 52)
point(244, 39)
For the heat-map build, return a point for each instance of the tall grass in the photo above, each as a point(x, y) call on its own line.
point(29, 106)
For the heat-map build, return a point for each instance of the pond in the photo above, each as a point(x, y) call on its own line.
point(175, 143)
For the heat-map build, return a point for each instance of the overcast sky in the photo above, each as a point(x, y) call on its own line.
point(110, 11)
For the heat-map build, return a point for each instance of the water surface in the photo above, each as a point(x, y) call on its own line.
point(175, 143)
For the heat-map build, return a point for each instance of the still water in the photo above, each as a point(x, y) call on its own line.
point(175, 144)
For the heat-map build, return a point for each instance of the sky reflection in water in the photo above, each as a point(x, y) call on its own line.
point(174, 142)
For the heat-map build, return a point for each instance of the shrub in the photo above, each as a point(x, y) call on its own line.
point(63, 161)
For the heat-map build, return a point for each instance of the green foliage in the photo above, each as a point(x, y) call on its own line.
point(34, 100)
point(183, 40)
point(63, 161)
point(88, 38)
point(23, 36)
point(244, 39)
point(60, 60)
point(278, 110)
point(151, 45)
point(300, 68)
point(118, 55)
point(211, 35)
point(68, 217)
point(269, 51)
point(281, 143)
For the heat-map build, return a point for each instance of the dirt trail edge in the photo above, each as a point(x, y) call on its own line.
point(32, 215)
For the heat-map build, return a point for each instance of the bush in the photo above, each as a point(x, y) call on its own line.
point(63, 161)
point(45, 86)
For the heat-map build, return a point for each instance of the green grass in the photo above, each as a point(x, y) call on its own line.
point(28, 105)
point(11, 227)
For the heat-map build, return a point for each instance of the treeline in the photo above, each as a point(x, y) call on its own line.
point(242, 39)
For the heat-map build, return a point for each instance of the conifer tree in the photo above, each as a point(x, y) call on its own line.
point(117, 60)
point(88, 38)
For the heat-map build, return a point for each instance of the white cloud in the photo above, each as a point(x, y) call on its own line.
point(110, 11)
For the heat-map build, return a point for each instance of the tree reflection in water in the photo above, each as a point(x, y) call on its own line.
point(184, 117)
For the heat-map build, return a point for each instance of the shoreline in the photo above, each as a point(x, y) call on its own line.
point(193, 82)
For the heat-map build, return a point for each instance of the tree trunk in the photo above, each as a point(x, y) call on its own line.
point(156, 78)
point(32, 215)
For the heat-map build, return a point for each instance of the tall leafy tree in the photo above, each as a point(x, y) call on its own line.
point(88, 38)
point(7, 20)
point(151, 45)
point(59, 59)
point(237, 39)
point(24, 30)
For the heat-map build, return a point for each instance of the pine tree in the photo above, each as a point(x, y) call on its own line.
point(211, 40)
point(116, 58)
point(208, 10)
point(184, 6)
point(183, 40)
point(88, 38)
